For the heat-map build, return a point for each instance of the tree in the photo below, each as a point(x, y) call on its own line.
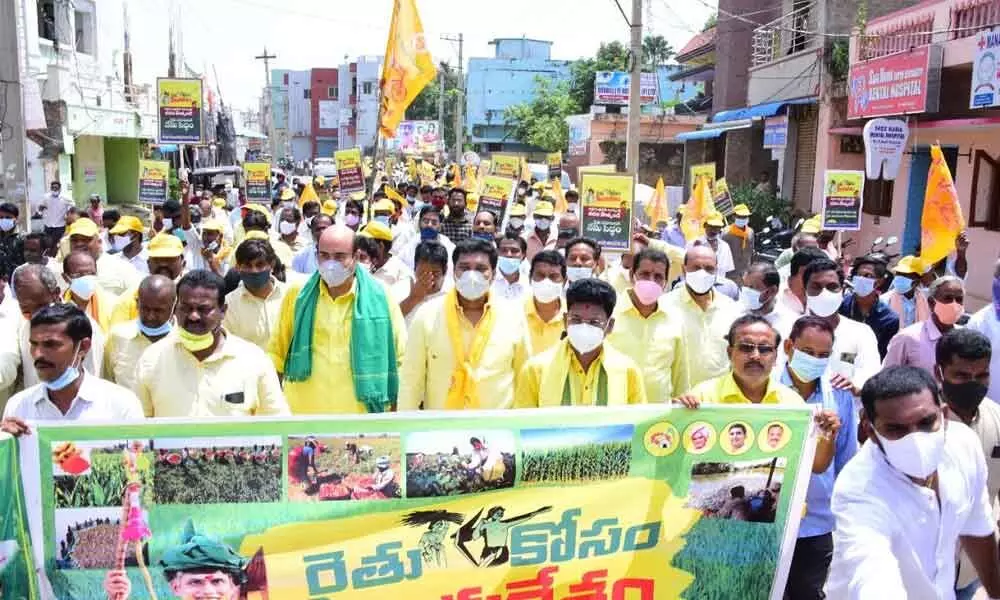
point(425, 105)
point(610, 57)
point(542, 121)
point(656, 50)
point(711, 22)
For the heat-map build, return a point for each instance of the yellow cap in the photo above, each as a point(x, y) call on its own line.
point(219, 203)
point(741, 210)
point(359, 196)
point(319, 180)
point(379, 231)
point(715, 220)
point(813, 226)
point(518, 210)
point(256, 234)
point(287, 194)
point(329, 208)
point(538, 185)
point(212, 225)
point(84, 227)
point(384, 205)
point(126, 224)
point(165, 245)
point(910, 265)
point(544, 209)
point(394, 195)
point(258, 208)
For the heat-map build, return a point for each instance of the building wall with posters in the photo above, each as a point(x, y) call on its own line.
point(506, 79)
point(325, 97)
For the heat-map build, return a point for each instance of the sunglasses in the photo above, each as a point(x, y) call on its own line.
point(748, 348)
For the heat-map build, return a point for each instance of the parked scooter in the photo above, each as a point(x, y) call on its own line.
point(774, 239)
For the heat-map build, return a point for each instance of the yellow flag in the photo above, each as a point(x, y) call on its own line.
point(525, 170)
point(407, 68)
point(942, 218)
point(411, 168)
point(456, 179)
point(471, 181)
point(308, 195)
point(698, 208)
point(657, 210)
point(557, 191)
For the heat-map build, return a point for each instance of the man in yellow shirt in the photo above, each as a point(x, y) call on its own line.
point(253, 308)
point(582, 370)
point(752, 347)
point(544, 308)
point(289, 242)
point(339, 326)
point(166, 257)
point(200, 370)
point(465, 349)
point(80, 272)
point(127, 341)
point(704, 315)
point(646, 333)
point(114, 274)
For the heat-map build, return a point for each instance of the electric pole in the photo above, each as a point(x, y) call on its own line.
point(634, 101)
point(460, 101)
point(268, 100)
point(441, 95)
point(14, 172)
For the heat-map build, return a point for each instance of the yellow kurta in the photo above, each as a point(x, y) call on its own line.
point(285, 251)
point(583, 386)
point(430, 359)
point(654, 343)
point(703, 333)
point(252, 318)
point(542, 334)
point(675, 255)
point(330, 389)
point(126, 307)
point(122, 350)
point(723, 390)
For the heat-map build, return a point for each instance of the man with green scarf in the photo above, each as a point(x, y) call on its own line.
point(340, 338)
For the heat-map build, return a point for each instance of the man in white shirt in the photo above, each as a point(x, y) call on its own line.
point(511, 281)
point(60, 338)
point(53, 207)
point(907, 499)
point(713, 237)
point(792, 295)
point(759, 296)
point(10, 321)
point(987, 322)
point(126, 239)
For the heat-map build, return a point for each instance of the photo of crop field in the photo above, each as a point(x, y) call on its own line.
point(574, 455)
point(740, 491)
point(217, 470)
point(725, 555)
point(92, 474)
point(87, 538)
point(451, 463)
point(344, 467)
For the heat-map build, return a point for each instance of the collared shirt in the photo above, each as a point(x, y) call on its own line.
point(909, 310)
point(985, 322)
point(896, 540)
point(781, 320)
point(703, 333)
point(331, 352)
point(125, 345)
point(457, 230)
point(790, 302)
point(408, 318)
point(396, 276)
point(986, 426)
point(96, 400)
point(653, 343)
point(914, 346)
point(236, 380)
point(723, 390)
point(408, 254)
point(505, 290)
point(430, 358)
point(305, 260)
point(854, 355)
point(286, 251)
point(535, 243)
point(116, 275)
point(93, 362)
point(251, 318)
point(881, 319)
point(543, 334)
point(584, 386)
point(818, 519)
point(140, 261)
point(56, 205)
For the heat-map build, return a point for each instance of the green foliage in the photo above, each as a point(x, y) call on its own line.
point(103, 485)
point(209, 481)
point(434, 475)
point(761, 204)
point(608, 460)
point(656, 50)
point(711, 22)
point(726, 555)
point(425, 105)
point(839, 59)
point(542, 121)
point(611, 56)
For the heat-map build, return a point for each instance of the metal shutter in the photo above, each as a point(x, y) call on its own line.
point(806, 126)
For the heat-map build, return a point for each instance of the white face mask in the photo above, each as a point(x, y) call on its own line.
point(750, 298)
point(578, 273)
point(472, 285)
point(825, 304)
point(546, 290)
point(334, 272)
point(584, 337)
point(287, 228)
point(917, 454)
point(700, 281)
point(168, 223)
point(119, 242)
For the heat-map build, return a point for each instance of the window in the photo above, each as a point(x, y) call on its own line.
point(332, 92)
point(284, 79)
point(985, 209)
point(367, 87)
point(83, 19)
point(307, 94)
point(47, 20)
point(878, 198)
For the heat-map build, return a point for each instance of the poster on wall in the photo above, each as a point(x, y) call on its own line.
point(776, 132)
point(350, 173)
point(843, 193)
point(607, 209)
point(153, 181)
point(986, 71)
point(495, 194)
point(632, 503)
point(179, 103)
point(579, 134)
point(703, 172)
point(258, 182)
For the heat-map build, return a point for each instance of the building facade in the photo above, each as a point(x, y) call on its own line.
point(276, 106)
point(300, 115)
point(325, 111)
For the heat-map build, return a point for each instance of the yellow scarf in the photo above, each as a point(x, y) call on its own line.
point(742, 233)
point(463, 392)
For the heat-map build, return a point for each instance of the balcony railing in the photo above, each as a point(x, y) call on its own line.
point(969, 18)
point(897, 37)
point(788, 34)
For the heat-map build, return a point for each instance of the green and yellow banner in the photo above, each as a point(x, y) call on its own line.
point(153, 181)
point(570, 504)
point(258, 176)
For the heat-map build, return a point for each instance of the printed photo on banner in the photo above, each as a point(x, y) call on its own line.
point(344, 467)
point(449, 463)
point(494, 196)
point(179, 102)
point(774, 436)
point(87, 538)
point(573, 455)
point(92, 474)
point(741, 491)
point(662, 439)
point(506, 165)
point(607, 209)
point(843, 192)
point(737, 438)
point(217, 470)
point(699, 437)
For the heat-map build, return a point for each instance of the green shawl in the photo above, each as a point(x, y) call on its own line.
point(373, 347)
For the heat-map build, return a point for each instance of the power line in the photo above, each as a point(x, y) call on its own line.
point(622, 11)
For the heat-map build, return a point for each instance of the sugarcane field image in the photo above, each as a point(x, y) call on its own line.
point(450, 463)
point(349, 467)
point(576, 454)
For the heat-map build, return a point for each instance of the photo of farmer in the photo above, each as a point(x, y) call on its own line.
point(738, 438)
point(699, 437)
point(774, 437)
point(448, 463)
point(740, 491)
point(485, 461)
point(344, 467)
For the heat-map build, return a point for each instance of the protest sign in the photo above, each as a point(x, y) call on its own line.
point(258, 176)
point(597, 169)
point(495, 195)
point(842, 196)
point(554, 162)
point(648, 503)
point(506, 165)
point(705, 172)
point(723, 199)
point(153, 185)
point(349, 170)
point(607, 209)
point(179, 108)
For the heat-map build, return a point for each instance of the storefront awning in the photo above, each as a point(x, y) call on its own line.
point(709, 133)
point(759, 111)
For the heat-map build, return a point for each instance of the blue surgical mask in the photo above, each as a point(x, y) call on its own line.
point(807, 367)
point(751, 298)
point(7, 224)
point(901, 284)
point(83, 286)
point(508, 265)
point(152, 332)
point(486, 236)
point(68, 376)
point(428, 234)
point(383, 219)
point(863, 286)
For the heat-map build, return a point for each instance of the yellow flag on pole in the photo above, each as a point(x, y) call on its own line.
point(942, 219)
point(308, 195)
point(657, 210)
point(407, 68)
point(698, 208)
point(456, 180)
point(557, 191)
point(525, 170)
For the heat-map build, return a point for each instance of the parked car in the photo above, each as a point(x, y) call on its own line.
point(324, 167)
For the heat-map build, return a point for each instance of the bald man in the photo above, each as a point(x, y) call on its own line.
point(127, 341)
point(704, 315)
point(340, 338)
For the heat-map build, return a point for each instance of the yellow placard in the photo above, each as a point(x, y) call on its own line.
point(179, 104)
point(597, 169)
point(350, 170)
point(706, 173)
point(553, 161)
point(506, 165)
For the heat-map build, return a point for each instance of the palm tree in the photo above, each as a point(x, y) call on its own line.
point(656, 50)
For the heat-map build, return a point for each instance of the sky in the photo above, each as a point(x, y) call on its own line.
point(318, 33)
point(573, 436)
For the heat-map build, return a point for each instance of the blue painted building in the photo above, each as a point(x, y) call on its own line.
point(279, 113)
point(506, 79)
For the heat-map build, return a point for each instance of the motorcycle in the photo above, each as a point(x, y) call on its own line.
point(774, 239)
